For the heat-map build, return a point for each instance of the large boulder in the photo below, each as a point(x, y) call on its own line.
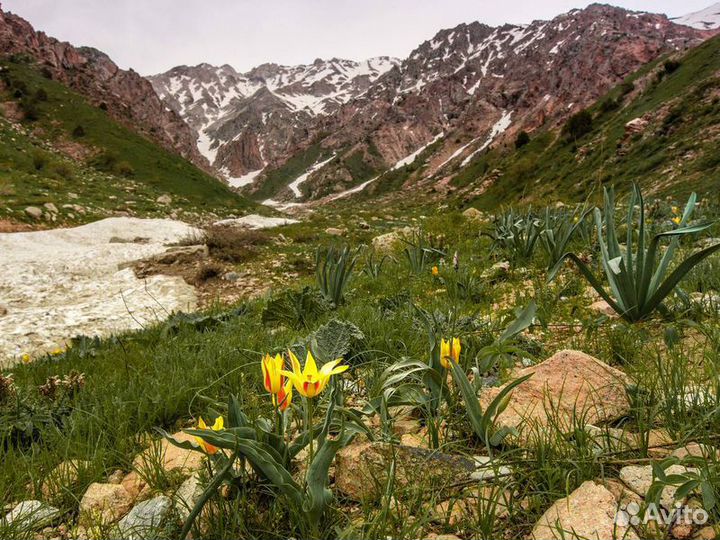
point(361, 468)
point(568, 385)
point(589, 513)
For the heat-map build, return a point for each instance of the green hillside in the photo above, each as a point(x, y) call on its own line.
point(675, 153)
point(56, 147)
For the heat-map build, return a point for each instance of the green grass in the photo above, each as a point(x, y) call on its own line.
point(166, 376)
point(116, 165)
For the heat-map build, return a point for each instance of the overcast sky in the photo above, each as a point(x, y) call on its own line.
point(154, 35)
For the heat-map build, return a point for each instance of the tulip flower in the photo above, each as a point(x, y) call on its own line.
point(219, 425)
point(284, 398)
point(310, 382)
point(675, 210)
point(676, 220)
point(449, 351)
point(272, 376)
point(26, 358)
point(435, 271)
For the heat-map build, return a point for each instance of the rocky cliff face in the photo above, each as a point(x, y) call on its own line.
point(478, 85)
point(127, 96)
point(246, 121)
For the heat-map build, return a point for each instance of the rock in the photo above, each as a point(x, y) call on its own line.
point(362, 224)
point(50, 207)
point(255, 221)
point(570, 384)
point(706, 533)
point(62, 477)
point(603, 308)
point(187, 496)
point(333, 231)
point(30, 515)
point(179, 254)
point(136, 486)
point(436, 536)
point(145, 518)
point(588, 513)
point(639, 478)
point(388, 242)
point(360, 469)
point(116, 477)
point(636, 125)
point(487, 469)
point(171, 457)
point(473, 214)
point(104, 504)
point(231, 276)
point(34, 212)
point(164, 199)
point(696, 450)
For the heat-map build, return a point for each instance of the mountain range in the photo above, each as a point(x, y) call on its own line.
point(287, 134)
point(433, 121)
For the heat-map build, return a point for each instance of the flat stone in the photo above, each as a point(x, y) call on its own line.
point(361, 468)
point(639, 478)
point(473, 214)
point(145, 518)
point(187, 496)
point(34, 212)
point(171, 457)
point(50, 207)
point(603, 308)
point(588, 512)
point(164, 199)
point(30, 515)
point(487, 469)
point(570, 384)
point(334, 231)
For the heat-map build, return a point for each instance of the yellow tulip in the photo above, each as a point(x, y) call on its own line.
point(435, 271)
point(26, 358)
point(677, 220)
point(449, 351)
point(284, 397)
point(309, 382)
point(675, 210)
point(272, 377)
point(219, 425)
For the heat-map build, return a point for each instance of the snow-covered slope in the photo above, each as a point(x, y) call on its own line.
point(244, 120)
point(705, 19)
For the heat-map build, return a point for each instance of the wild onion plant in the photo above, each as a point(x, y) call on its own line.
point(559, 229)
point(419, 251)
point(638, 282)
point(333, 270)
point(516, 235)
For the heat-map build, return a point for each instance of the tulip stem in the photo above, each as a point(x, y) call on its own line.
point(309, 424)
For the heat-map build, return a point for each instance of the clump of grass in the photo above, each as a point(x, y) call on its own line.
point(233, 244)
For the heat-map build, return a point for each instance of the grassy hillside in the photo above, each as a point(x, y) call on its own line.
point(56, 147)
point(674, 153)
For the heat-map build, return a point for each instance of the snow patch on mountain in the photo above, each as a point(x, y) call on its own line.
point(295, 184)
point(705, 19)
point(499, 127)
